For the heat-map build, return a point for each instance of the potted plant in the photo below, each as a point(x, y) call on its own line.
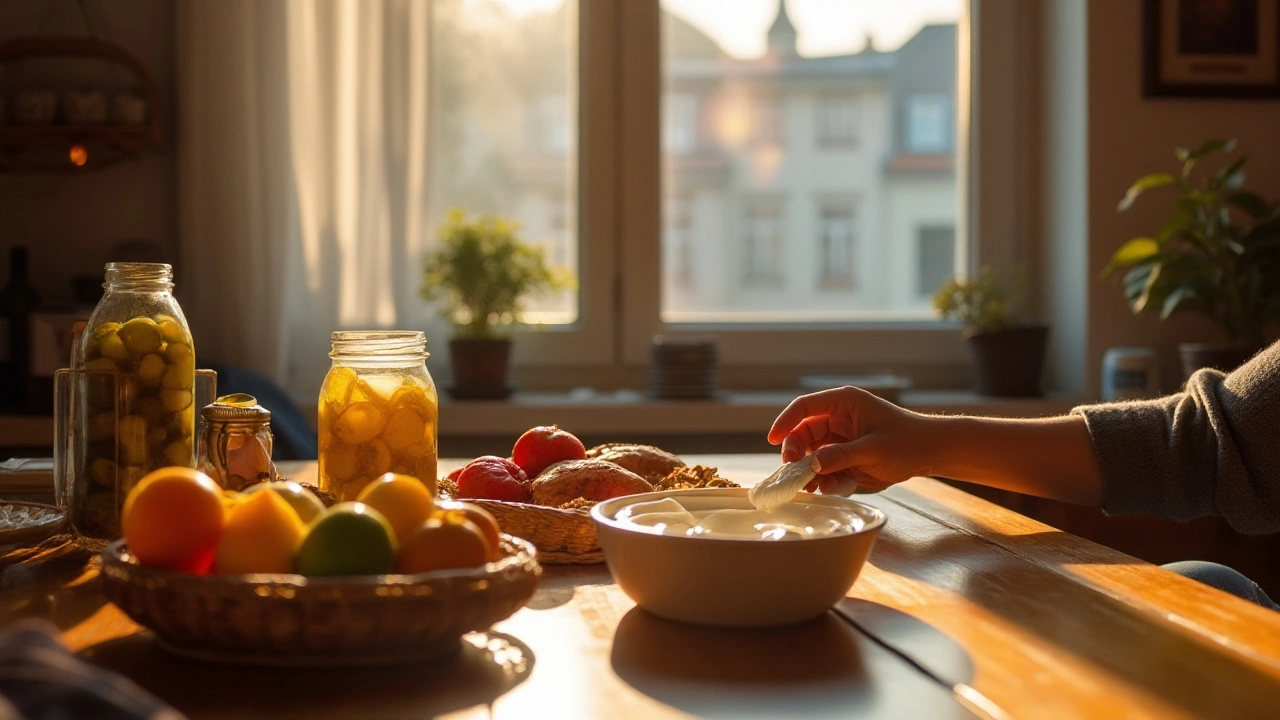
point(480, 275)
point(1217, 255)
point(1008, 355)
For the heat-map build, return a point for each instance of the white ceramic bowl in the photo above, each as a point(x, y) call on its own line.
point(730, 582)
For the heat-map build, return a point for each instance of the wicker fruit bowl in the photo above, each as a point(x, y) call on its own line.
point(293, 620)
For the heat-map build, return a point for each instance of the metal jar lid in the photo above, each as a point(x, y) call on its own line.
point(236, 408)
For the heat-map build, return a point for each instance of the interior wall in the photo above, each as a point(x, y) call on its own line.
point(1129, 136)
point(69, 220)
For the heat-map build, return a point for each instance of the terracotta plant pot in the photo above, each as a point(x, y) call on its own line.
point(1226, 358)
point(480, 368)
point(1010, 362)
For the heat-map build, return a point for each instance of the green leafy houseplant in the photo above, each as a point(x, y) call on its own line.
point(482, 273)
point(980, 304)
point(1218, 254)
point(1008, 355)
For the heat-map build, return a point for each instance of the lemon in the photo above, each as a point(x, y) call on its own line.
point(403, 500)
point(349, 539)
point(260, 536)
point(307, 506)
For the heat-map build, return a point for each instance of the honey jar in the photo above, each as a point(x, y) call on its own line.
point(236, 442)
point(378, 411)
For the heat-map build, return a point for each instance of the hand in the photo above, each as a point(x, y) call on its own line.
point(858, 440)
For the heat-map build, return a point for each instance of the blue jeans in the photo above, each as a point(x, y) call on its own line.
point(1223, 578)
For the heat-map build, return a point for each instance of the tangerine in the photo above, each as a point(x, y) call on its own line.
point(482, 518)
point(403, 500)
point(443, 543)
point(173, 518)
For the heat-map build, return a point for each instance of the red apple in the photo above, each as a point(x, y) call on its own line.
point(543, 446)
point(490, 477)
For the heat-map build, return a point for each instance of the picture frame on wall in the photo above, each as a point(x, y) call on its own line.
point(1211, 48)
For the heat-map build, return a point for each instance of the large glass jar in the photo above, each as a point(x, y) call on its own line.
point(133, 408)
point(378, 411)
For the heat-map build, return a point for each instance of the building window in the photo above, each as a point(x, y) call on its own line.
point(937, 258)
point(679, 123)
point(767, 118)
point(556, 131)
point(837, 120)
point(677, 242)
point(762, 242)
point(928, 123)
point(836, 238)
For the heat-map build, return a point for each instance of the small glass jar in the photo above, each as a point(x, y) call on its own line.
point(236, 442)
point(378, 411)
point(134, 408)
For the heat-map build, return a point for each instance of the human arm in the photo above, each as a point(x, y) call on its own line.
point(1212, 449)
point(860, 438)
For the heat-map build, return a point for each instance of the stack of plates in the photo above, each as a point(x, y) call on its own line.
point(682, 368)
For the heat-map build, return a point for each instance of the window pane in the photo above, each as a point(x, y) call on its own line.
point(504, 130)
point(808, 152)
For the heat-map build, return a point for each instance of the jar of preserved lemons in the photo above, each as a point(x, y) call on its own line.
point(133, 404)
point(378, 411)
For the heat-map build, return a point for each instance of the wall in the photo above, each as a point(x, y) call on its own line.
point(70, 220)
point(1128, 136)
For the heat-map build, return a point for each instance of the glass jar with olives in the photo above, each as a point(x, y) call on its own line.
point(134, 403)
point(378, 411)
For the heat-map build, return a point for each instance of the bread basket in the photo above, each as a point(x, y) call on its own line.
point(562, 536)
point(293, 620)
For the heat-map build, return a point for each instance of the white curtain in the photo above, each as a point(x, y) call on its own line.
point(302, 168)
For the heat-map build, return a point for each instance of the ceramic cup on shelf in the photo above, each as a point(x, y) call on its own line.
point(35, 107)
point(1130, 373)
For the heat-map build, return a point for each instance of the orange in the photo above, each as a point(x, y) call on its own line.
point(403, 500)
point(173, 518)
point(260, 536)
point(487, 523)
point(444, 543)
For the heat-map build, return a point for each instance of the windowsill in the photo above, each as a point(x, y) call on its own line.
point(631, 411)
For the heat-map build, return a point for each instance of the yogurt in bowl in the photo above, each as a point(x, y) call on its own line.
point(709, 557)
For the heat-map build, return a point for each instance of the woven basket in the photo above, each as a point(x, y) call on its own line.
point(292, 620)
point(562, 537)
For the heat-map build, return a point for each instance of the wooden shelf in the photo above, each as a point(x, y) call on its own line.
point(133, 137)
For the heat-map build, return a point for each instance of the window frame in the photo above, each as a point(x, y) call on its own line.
point(620, 205)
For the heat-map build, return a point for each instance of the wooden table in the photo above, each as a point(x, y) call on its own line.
point(964, 609)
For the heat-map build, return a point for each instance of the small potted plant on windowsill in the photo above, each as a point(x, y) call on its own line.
point(480, 275)
point(1217, 255)
point(1008, 355)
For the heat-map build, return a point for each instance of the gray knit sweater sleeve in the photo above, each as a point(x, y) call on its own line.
point(1212, 449)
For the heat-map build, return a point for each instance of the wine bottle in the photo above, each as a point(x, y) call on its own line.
point(17, 300)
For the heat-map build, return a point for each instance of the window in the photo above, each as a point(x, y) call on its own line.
point(677, 245)
point(767, 117)
point(928, 120)
point(837, 120)
point(803, 252)
point(556, 130)
point(680, 123)
point(836, 239)
point(715, 191)
point(936, 260)
point(762, 242)
point(503, 109)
